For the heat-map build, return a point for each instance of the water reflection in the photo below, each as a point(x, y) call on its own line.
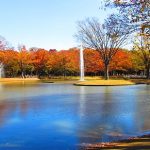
point(44, 116)
point(82, 101)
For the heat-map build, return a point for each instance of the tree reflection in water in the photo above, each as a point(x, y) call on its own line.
point(67, 115)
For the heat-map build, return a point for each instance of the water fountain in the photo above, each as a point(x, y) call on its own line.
point(1, 70)
point(81, 64)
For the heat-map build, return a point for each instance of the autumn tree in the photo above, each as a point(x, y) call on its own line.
point(137, 62)
point(138, 14)
point(73, 61)
point(64, 62)
point(60, 63)
point(142, 48)
point(51, 62)
point(106, 38)
point(23, 60)
point(92, 62)
point(121, 62)
point(10, 61)
point(39, 59)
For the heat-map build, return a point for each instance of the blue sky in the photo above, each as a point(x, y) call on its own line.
point(45, 23)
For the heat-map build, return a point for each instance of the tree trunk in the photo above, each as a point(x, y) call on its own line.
point(106, 72)
point(148, 72)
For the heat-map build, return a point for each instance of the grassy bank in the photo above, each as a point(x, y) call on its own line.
point(12, 80)
point(141, 81)
point(104, 82)
point(93, 81)
point(96, 80)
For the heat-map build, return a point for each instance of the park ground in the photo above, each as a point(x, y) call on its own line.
point(89, 81)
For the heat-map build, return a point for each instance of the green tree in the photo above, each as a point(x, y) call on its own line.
point(142, 47)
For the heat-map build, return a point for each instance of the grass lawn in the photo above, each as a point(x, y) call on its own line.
point(104, 82)
point(93, 81)
point(16, 80)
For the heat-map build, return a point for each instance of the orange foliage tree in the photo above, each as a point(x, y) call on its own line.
point(65, 62)
point(73, 61)
point(93, 61)
point(24, 60)
point(41, 62)
point(39, 59)
point(10, 62)
point(121, 62)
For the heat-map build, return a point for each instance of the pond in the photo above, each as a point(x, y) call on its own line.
point(44, 116)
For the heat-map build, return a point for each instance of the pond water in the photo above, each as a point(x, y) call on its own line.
point(44, 116)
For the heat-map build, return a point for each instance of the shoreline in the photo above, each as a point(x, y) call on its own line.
point(137, 142)
point(3, 80)
point(89, 81)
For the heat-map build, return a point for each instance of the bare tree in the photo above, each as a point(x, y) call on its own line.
point(137, 11)
point(106, 38)
point(3, 43)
